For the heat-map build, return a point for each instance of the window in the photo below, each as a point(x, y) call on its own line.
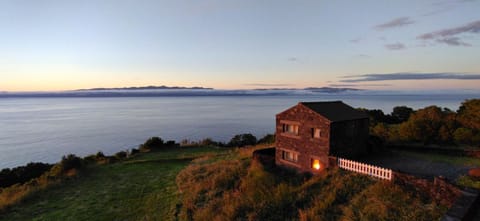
point(290, 128)
point(316, 165)
point(290, 156)
point(315, 133)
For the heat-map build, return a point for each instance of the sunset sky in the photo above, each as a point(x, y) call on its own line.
point(399, 45)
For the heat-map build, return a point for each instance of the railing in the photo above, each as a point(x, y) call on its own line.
point(370, 170)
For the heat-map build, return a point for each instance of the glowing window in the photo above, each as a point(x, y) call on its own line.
point(316, 164)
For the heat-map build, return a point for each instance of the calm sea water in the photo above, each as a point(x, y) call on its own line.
point(45, 129)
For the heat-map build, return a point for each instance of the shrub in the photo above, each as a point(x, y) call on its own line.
point(152, 143)
point(463, 135)
point(70, 162)
point(134, 151)
point(22, 174)
point(242, 140)
point(171, 143)
point(121, 155)
point(267, 139)
point(468, 181)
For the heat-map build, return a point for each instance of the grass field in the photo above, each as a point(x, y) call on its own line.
point(140, 188)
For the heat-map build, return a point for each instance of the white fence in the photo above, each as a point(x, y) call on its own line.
point(365, 169)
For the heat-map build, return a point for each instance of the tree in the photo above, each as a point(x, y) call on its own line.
point(401, 113)
point(423, 125)
point(153, 143)
point(463, 135)
point(469, 114)
point(375, 116)
point(381, 131)
point(241, 140)
point(267, 139)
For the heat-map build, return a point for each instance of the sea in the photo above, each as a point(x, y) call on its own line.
point(43, 129)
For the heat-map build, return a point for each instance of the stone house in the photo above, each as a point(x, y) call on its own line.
point(309, 132)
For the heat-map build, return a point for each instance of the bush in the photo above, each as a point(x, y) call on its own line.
point(121, 155)
point(134, 151)
point(171, 143)
point(71, 162)
point(468, 181)
point(463, 135)
point(267, 139)
point(157, 143)
point(22, 174)
point(152, 143)
point(242, 140)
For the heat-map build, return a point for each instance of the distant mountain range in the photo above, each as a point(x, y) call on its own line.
point(163, 91)
point(163, 87)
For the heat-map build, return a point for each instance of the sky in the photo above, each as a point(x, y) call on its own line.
point(48, 45)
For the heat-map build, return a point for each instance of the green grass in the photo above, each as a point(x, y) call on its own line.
point(468, 182)
point(450, 159)
point(141, 188)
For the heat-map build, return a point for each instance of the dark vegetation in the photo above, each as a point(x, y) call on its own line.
point(239, 140)
point(429, 126)
point(22, 174)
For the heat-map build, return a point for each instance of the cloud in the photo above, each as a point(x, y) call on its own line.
point(395, 46)
point(292, 59)
point(362, 56)
point(447, 36)
point(359, 85)
point(398, 22)
point(409, 76)
point(267, 85)
point(356, 40)
point(454, 41)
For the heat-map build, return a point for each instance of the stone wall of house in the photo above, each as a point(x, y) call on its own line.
point(303, 144)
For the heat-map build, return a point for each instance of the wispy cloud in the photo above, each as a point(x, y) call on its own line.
point(448, 36)
point(454, 41)
point(356, 40)
point(362, 56)
point(292, 59)
point(395, 46)
point(409, 76)
point(395, 23)
point(359, 85)
point(445, 6)
point(267, 85)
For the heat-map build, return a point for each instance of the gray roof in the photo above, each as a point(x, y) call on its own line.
point(335, 110)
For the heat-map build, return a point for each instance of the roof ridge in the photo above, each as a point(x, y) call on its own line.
point(317, 102)
point(335, 110)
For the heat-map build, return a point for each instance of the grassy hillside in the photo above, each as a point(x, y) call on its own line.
point(238, 188)
point(140, 188)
